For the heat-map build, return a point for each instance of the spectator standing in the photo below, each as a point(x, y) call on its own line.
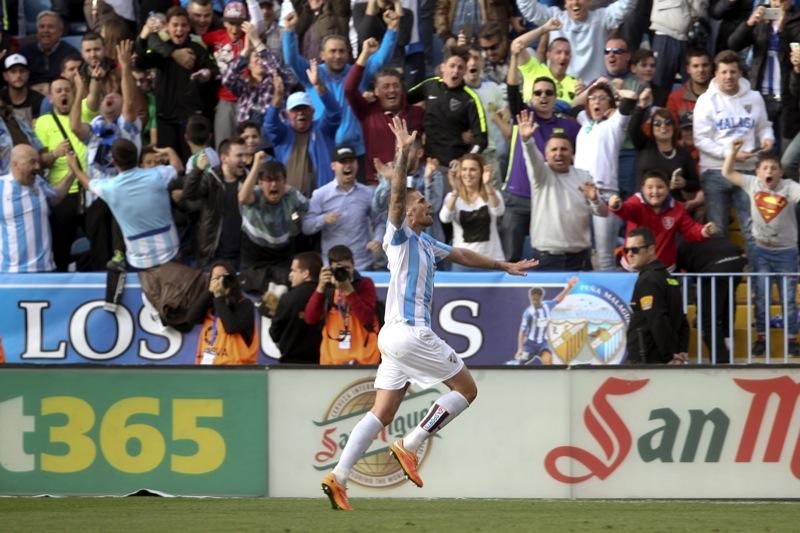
point(298, 342)
point(729, 110)
point(370, 21)
point(564, 199)
point(493, 41)
point(375, 116)
point(454, 17)
point(671, 21)
point(25, 238)
point(333, 72)
point(215, 191)
point(473, 207)
point(454, 121)
point(44, 55)
point(774, 237)
point(272, 215)
point(683, 99)
point(586, 29)
point(342, 211)
point(303, 144)
point(201, 17)
point(183, 66)
point(26, 102)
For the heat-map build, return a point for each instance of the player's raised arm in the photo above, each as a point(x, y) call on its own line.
point(404, 143)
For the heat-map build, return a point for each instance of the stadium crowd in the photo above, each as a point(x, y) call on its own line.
point(261, 132)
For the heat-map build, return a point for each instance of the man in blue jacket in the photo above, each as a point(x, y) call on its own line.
point(333, 73)
point(303, 145)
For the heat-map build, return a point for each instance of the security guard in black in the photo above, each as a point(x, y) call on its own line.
point(658, 332)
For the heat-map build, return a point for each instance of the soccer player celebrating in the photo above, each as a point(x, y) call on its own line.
point(411, 351)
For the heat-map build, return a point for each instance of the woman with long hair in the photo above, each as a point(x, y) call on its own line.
point(228, 335)
point(473, 207)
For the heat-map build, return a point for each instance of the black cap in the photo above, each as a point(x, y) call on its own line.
point(344, 152)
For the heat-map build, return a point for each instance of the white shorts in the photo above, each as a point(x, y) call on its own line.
point(415, 354)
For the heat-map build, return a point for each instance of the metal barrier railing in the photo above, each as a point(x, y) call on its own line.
point(707, 292)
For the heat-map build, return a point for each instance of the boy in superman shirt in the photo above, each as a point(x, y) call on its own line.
point(772, 200)
point(655, 208)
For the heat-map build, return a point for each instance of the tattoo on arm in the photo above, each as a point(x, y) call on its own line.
point(397, 201)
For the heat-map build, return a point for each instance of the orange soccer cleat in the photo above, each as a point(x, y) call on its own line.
point(336, 492)
point(407, 460)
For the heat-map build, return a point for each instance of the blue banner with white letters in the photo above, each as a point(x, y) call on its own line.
point(488, 318)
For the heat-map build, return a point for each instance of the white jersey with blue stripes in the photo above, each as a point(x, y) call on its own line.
point(535, 320)
point(25, 241)
point(412, 265)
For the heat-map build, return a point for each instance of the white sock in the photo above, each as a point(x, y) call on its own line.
point(445, 409)
point(360, 439)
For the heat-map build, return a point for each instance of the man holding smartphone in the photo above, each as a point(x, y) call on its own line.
point(771, 28)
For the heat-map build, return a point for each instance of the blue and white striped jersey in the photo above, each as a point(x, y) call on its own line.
point(412, 265)
point(140, 202)
point(25, 240)
point(535, 319)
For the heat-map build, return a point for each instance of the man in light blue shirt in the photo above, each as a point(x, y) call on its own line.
point(342, 211)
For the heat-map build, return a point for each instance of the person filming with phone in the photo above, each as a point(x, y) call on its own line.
point(346, 304)
point(770, 29)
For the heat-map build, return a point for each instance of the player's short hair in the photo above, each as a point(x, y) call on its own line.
point(545, 79)
point(560, 135)
point(310, 261)
point(458, 51)
point(657, 174)
point(696, 52)
point(271, 168)
point(536, 290)
point(68, 58)
point(91, 36)
point(558, 40)
point(388, 72)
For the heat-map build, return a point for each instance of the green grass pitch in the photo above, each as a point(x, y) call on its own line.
point(176, 515)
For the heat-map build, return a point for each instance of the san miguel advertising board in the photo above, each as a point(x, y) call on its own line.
point(489, 319)
point(586, 433)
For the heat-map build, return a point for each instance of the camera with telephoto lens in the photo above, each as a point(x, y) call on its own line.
point(340, 273)
point(228, 281)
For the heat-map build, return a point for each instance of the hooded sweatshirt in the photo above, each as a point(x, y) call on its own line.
point(719, 118)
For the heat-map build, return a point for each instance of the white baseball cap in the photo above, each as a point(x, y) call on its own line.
point(14, 60)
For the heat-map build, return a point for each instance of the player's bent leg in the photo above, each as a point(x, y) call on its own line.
point(364, 432)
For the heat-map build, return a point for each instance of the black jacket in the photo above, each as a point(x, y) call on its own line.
point(758, 37)
point(449, 113)
point(205, 192)
point(177, 95)
point(658, 328)
point(298, 342)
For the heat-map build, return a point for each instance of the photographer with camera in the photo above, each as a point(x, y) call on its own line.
point(228, 335)
point(345, 303)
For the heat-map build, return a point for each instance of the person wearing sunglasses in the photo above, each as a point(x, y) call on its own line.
point(659, 150)
point(517, 189)
point(587, 29)
point(658, 332)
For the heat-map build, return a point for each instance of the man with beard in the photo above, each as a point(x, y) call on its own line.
point(375, 116)
point(201, 17)
point(26, 102)
point(342, 211)
point(683, 99)
point(96, 66)
point(493, 40)
point(517, 189)
point(214, 191)
point(454, 120)
point(563, 201)
point(116, 119)
point(272, 214)
point(55, 132)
